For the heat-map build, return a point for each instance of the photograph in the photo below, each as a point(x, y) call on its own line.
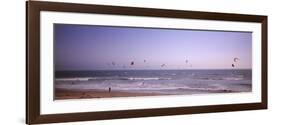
point(95, 61)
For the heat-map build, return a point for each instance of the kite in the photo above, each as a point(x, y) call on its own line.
point(113, 63)
point(236, 59)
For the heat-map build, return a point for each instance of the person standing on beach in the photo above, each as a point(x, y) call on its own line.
point(109, 89)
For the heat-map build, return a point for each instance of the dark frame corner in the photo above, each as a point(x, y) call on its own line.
point(33, 9)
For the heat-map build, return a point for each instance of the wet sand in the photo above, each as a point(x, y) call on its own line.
point(93, 93)
point(85, 94)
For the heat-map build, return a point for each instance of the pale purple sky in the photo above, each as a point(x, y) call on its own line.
point(89, 47)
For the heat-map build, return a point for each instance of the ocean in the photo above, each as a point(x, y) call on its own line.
point(174, 82)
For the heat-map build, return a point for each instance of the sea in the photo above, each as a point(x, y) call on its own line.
point(170, 82)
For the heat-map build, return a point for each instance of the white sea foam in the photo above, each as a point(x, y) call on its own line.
point(74, 79)
point(147, 78)
point(110, 78)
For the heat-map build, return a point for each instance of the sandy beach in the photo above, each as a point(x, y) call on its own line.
point(94, 93)
point(84, 94)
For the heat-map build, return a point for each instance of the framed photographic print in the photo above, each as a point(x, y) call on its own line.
point(94, 62)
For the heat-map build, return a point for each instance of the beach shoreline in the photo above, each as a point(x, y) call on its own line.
point(61, 93)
